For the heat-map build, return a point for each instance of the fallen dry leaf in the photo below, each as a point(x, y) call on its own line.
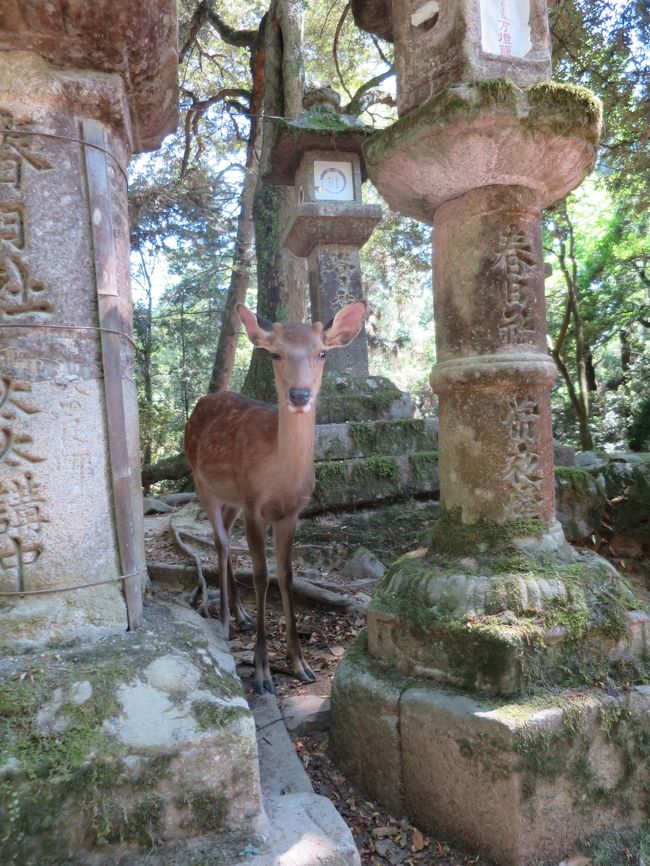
point(418, 840)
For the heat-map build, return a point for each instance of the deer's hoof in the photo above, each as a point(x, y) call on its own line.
point(245, 621)
point(306, 674)
point(262, 686)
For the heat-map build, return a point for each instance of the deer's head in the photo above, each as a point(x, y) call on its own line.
point(298, 351)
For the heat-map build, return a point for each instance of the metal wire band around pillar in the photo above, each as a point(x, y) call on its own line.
point(19, 132)
point(72, 588)
point(69, 328)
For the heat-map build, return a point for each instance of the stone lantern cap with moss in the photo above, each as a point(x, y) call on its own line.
point(137, 41)
point(320, 154)
point(438, 44)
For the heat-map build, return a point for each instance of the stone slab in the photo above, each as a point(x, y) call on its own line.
point(140, 739)
point(367, 438)
point(365, 735)
point(519, 782)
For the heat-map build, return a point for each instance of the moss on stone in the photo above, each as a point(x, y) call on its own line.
point(579, 478)
point(351, 398)
point(206, 811)
point(385, 468)
point(394, 436)
point(423, 464)
point(452, 536)
point(567, 109)
point(209, 714)
point(563, 109)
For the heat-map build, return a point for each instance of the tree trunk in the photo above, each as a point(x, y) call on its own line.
point(281, 277)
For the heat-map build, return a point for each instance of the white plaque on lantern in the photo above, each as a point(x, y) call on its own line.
point(505, 27)
point(333, 181)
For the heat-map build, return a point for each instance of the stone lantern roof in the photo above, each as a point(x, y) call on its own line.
point(319, 128)
point(136, 39)
point(374, 16)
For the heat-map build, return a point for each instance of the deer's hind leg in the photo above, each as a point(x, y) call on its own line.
point(215, 509)
point(237, 609)
point(283, 532)
point(255, 536)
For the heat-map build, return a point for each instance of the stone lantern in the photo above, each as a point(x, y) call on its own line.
point(443, 43)
point(483, 143)
point(320, 155)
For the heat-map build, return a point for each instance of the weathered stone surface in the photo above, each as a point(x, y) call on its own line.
point(342, 483)
point(364, 439)
point(306, 714)
point(563, 455)
point(318, 129)
point(519, 782)
point(56, 486)
point(504, 621)
point(361, 398)
point(580, 502)
point(481, 134)
point(138, 43)
point(364, 565)
point(493, 375)
point(330, 223)
point(629, 484)
point(147, 737)
point(450, 47)
point(334, 281)
point(365, 738)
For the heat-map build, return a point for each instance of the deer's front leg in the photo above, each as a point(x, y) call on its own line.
point(283, 532)
point(255, 528)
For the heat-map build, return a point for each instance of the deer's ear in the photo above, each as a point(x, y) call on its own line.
point(345, 325)
point(260, 332)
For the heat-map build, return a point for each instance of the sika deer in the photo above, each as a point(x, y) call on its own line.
point(249, 456)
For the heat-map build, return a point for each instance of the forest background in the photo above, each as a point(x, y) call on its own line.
point(205, 229)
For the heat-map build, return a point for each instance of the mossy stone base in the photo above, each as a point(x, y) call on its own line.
point(361, 398)
point(342, 484)
point(518, 781)
point(107, 749)
point(516, 613)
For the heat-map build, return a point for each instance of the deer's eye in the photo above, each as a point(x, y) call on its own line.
point(275, 356)
point(321, 355)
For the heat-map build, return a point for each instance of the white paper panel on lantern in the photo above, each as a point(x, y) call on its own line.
point(505, 27)
point(333, 181)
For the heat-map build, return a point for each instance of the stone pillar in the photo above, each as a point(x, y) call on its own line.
point(70, 513)
point(334, 281)
point(493, 375)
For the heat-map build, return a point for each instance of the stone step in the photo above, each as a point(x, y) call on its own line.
point(369, 438)
point(344, 484)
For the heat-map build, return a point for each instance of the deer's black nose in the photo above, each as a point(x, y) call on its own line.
point(299, 396)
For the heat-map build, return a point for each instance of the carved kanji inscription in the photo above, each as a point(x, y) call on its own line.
point(515, 259)
point(521, 418)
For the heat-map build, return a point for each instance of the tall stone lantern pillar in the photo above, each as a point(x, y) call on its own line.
point(483, 142)
point(319, 154)
point(81, 89)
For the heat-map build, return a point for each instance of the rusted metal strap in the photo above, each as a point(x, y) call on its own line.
point(30, 325)
point(56, 589)
point(99, 203)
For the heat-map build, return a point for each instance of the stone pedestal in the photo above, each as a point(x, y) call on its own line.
point(334, 281)
point(70, 514)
